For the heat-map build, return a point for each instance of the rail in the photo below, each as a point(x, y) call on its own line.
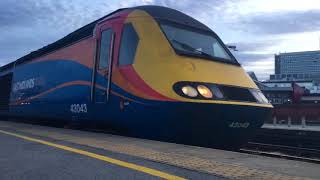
point(283, 151)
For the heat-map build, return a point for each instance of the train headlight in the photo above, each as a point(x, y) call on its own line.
point(259, 96)
point(189, 91)
point(204, 91)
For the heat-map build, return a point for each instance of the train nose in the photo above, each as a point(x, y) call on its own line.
point(218, 125)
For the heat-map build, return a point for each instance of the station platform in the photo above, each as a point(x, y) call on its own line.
point(291, 127)
point(106, 156)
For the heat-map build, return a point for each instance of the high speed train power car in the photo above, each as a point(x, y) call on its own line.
point(148, 71)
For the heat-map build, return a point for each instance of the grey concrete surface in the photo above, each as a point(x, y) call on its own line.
point(212, 161)
point(24, 160)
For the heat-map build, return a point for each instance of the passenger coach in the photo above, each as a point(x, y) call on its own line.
point(149, 71)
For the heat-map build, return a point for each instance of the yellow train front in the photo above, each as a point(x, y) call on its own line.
point(184, 84)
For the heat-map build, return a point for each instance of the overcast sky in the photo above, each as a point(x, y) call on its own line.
point(259, 28)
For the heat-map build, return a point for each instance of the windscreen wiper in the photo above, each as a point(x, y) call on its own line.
point(192, 49)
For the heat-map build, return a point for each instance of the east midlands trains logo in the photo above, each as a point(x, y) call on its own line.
point(22, 85)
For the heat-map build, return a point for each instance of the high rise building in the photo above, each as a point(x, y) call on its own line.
point(297, 66)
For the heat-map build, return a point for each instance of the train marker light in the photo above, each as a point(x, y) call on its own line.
point(216, 92)
point(189, 91)
point(263, 97)
point(204, 91)
point(259, 96)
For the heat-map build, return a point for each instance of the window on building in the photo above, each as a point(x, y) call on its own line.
point(129, 44)
point(105, 48)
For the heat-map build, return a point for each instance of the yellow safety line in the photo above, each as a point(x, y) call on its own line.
point(100, 157)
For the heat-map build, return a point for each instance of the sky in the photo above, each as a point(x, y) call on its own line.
point(259, 28)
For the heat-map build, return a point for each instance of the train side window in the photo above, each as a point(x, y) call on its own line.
point(129, 44)
point(105, 48)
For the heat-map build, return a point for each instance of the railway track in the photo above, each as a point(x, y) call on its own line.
point(282, 151)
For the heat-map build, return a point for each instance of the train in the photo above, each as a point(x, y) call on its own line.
point(149, 72)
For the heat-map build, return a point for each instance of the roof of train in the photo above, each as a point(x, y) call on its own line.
point(87, 30)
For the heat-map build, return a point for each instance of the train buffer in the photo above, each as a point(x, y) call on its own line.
point(126, 155)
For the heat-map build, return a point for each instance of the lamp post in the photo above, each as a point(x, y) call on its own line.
point(232, 47)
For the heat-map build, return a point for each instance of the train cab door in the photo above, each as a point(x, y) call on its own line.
point(106, 36)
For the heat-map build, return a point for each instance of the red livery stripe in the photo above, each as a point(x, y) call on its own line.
point(131, 75)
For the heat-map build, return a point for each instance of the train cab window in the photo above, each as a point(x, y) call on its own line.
point(190, 41)
point(129, 44)
point(218, 50)
point(105, 48)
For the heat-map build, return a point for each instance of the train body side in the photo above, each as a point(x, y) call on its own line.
point(47, 86)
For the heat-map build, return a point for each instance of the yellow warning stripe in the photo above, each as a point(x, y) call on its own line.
point(100, 157)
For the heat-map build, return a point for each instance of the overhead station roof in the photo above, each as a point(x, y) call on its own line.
point(87, 30)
